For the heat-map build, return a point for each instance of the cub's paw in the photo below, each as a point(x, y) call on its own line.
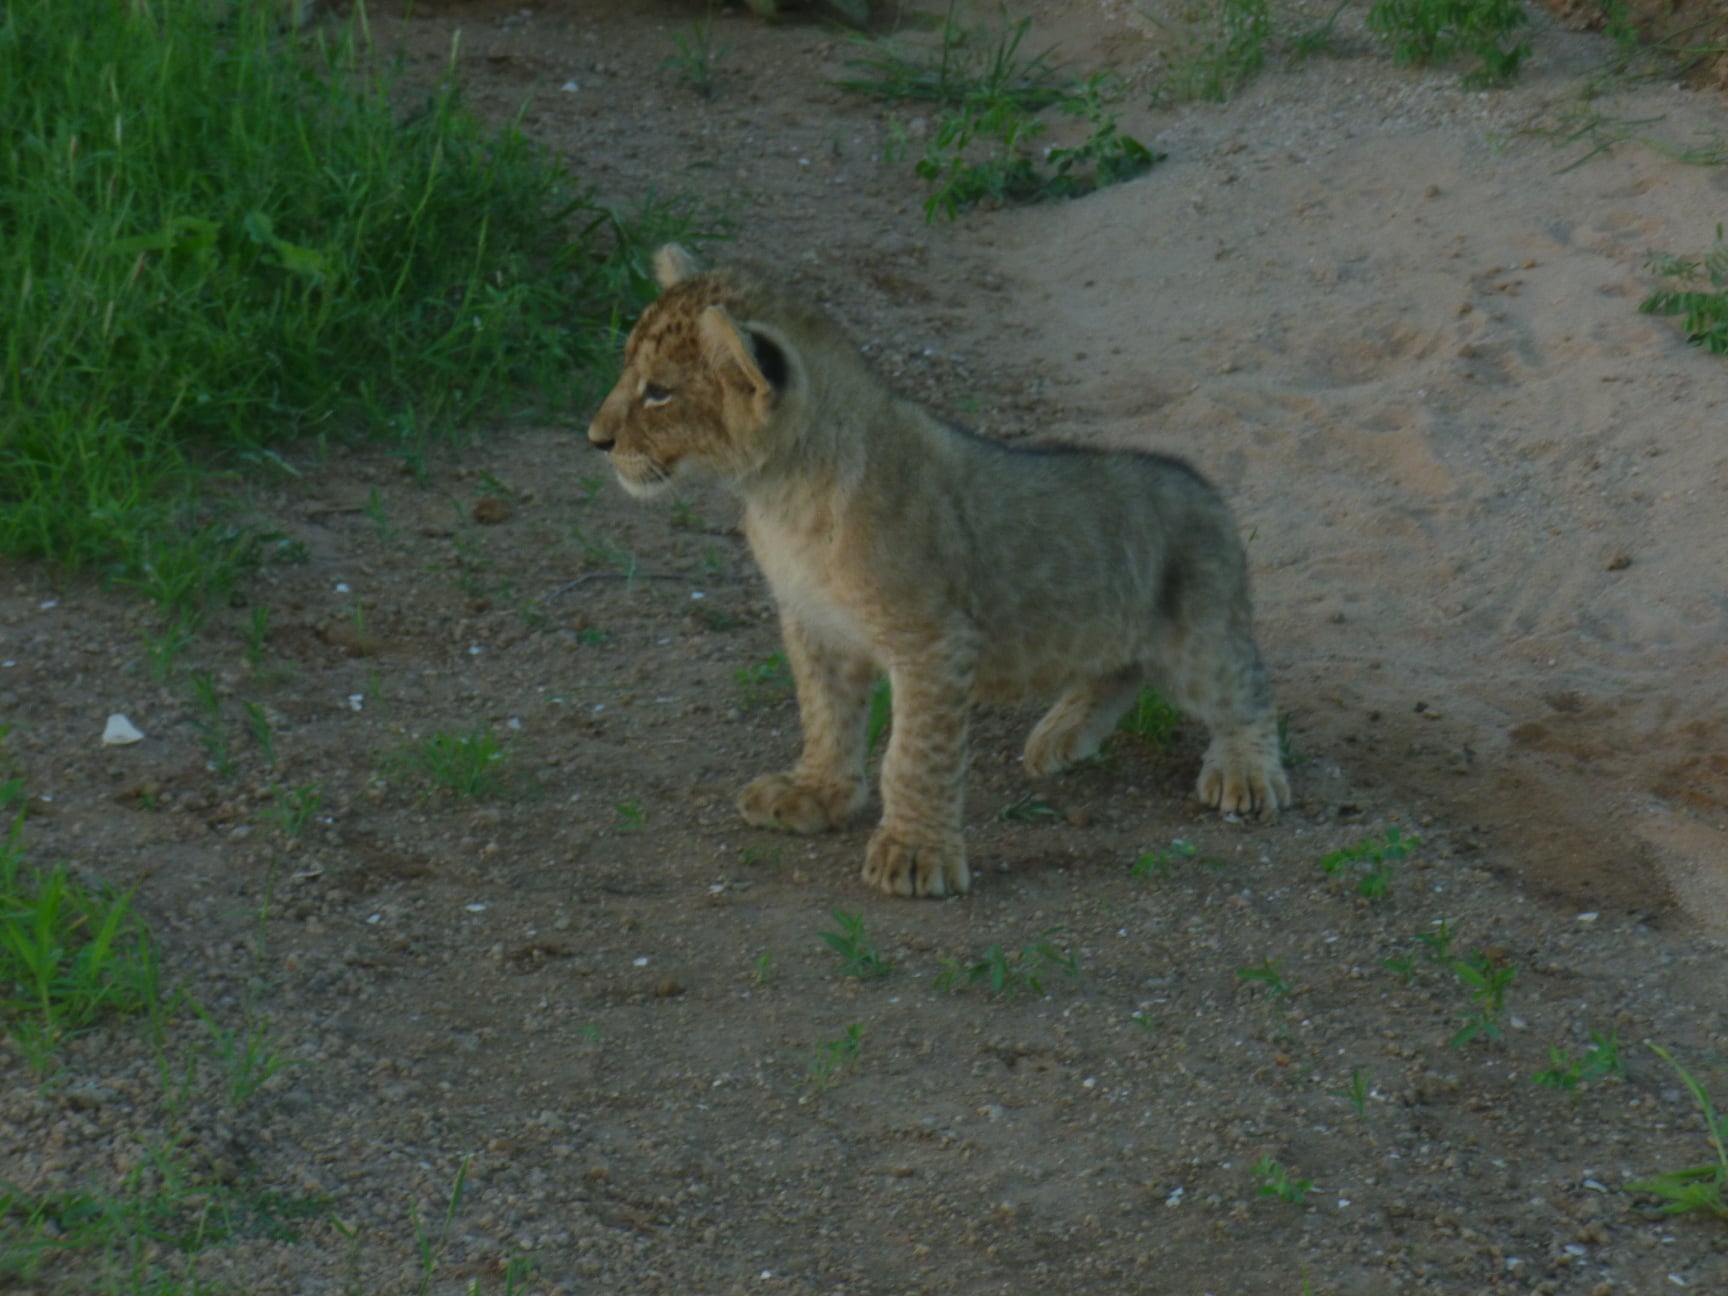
point(784, 802)
point(1243, 778)
point(1050, 751)
point(908, 868)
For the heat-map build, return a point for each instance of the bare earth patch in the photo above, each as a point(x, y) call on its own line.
point(1486, 504)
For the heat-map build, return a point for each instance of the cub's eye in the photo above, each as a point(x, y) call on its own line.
point(655, 394)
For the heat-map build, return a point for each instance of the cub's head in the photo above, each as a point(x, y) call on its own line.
point(699, 388)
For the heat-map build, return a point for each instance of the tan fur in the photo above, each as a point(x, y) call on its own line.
point(963, 568)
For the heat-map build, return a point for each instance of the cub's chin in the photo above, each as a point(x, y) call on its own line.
point(644, 482)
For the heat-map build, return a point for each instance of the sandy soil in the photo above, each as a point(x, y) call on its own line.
point(1484, 497)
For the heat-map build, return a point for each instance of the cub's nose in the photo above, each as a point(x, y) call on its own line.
point(598, 439)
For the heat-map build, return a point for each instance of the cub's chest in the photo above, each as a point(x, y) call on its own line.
point(808, 580)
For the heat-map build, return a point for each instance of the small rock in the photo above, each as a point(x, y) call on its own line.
point(120, 732)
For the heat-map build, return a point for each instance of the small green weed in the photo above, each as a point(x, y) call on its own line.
point(1356, 1092)
point(858, 956)
point(263, 732)
point(764, 968)
point(291, 809)
point(1226, 49)
point(1600, 1060)
point(1269, 976)
point(1428, 31)
point(1375, 855)
point(630, 816)
point(69, 955)
point(832, 1058)
point(256, 634)
point(211, 726)
point(1159, 864)
point(986, 149)
point(1151, 719)
point(1273, 1180)
point(1696, 1188)
point(698, 57)
point(467, 765)
point(968, 64)
point(1011, 975)
point(766, 682)
point(1703, 314)
point(1487, 981)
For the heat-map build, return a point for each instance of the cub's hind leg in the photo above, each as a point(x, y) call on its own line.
point(827, 787)
point(1081, 720)
point(1215, 674)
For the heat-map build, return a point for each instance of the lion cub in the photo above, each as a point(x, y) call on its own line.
point(964, 568)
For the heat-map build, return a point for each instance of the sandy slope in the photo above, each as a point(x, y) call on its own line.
point(1487, 495)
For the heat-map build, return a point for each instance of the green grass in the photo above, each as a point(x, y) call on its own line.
point(833, 1058)
point(858, 955)
point(1225, 49)
point(1703, 312)
point(985, 143)
point(217, 238)
point(1374, 857)
point(1010, 975)
point(1695, 1188)
point(1151, 719)
point(967, 64)
point(1273, 1180)
point(70, 955)
point(1430, 31)
point(467, 765)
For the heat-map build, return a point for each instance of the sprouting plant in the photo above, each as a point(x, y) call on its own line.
point(1487, 981)
point(1151, 719)
point(823, 1068)
point(1401, 966)
point(374, 509)
point(698, 56)
point(468, 765)
point(292, 809)
point(1273, 1180)
point(1600, 1060)
point(629, 815)
point(263, 733)
point(1426, 31)
point(69, 954)
point(1703, 314)
point(1269, 976)
point(764, 968)
point(756, 856)
point(765, 682)
point(431, 1247)
point(171, 637)
point(1374, 855)
point(1696, 1188)
point(967, 65)
point(1356, 1092)
point(256, 633)
point(1011, 975)
point(211, 727)
point(1438, 943)
point(858, 956)
point(1029, 809)
point(1160, 863)
point(1225, 52)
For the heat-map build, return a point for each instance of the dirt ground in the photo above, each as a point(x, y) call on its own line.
point(1486, 504)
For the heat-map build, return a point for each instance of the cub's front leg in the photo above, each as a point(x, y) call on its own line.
point(827, 787)
point(918, 849)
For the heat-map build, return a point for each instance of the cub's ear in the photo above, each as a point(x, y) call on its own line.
point(673, 264)
point(759, 357)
